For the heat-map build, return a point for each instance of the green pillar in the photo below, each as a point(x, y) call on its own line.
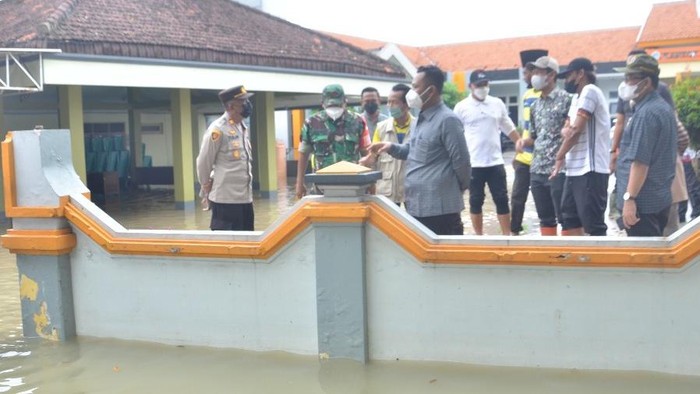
point(195, 141)
point(3, 132)
point(135, 141)
point(181, 110)
point(70, 116)
point(263, 131)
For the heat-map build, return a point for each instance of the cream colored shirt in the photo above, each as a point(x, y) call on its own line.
point(227, 151)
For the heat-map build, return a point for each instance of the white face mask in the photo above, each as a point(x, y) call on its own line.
point(538, 81)
point(626, 91)
point(334, 112)
point(415, 100)
point(481, 93)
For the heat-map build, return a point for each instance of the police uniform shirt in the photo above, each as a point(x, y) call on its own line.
point(226, 149)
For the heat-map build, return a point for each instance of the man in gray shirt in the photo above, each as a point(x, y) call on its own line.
point(646, 165)
point(438, 167)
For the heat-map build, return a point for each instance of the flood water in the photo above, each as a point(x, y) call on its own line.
point(92, 365)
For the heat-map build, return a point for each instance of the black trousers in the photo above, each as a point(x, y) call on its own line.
point(547, 195)
point(448, 224)
point(521, 188)
point(691, 180)
point(495, 177)
point(649, 224)
point(236, 217)
point(584, 202)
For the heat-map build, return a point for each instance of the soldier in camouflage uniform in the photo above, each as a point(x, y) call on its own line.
point(332, 135)
point(227, 151)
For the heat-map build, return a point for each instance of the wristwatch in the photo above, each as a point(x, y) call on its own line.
point(627, 196)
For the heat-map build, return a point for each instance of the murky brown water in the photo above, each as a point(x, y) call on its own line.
point(90, 365)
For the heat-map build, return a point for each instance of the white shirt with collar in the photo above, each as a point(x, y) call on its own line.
point(483, 122)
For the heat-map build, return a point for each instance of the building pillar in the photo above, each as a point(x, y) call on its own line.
point(135, 142)
point(70, 116)
point(181, 110)
point(3, 132)
point(46, 294)
point(341, 296)
point(41, 239)
point(340, 286)
point(264, 143)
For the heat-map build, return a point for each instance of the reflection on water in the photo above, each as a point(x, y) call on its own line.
point(90, 365)
point(154, 210)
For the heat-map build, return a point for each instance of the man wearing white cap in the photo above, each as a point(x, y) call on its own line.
point(547, 117)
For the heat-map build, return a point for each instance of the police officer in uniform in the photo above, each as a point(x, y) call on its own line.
point(332, 135)
point(226, 151)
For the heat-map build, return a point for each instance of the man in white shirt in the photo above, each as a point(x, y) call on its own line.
point(585, 148)
point(484, 118)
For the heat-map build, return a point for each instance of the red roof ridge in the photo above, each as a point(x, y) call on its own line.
point(569, 33)
point(55, 18)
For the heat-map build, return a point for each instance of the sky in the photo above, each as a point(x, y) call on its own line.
point(435, 22)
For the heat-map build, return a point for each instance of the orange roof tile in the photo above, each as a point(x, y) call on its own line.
point(610, 45)
point(600, 46)
point(671, 22)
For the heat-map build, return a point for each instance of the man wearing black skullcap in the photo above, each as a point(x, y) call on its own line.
point(224, 164)
point(523, 158)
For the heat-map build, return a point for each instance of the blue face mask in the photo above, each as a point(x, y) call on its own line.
point(395, 112)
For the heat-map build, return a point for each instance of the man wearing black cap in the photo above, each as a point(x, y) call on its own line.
point(523, 158)
point(646, 165)
point(586, 149)
point(226, 151)
point(484, 118)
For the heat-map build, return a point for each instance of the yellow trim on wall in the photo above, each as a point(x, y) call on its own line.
point(287, 231)
point(421, 249)
point(39, 242)
point(55, 242)
point(668, 43)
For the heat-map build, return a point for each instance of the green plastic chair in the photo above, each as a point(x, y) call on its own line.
point(108, 143)
point(112, 159)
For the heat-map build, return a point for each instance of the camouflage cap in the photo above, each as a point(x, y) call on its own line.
point(640, 63)
point(333, 95)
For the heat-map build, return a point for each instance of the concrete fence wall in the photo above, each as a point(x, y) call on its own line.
point(350, 277)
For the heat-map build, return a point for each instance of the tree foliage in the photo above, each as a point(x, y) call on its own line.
point(450, 95)
point(686, 95)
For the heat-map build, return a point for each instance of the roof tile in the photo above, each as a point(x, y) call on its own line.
point(611, 45)
point(671, 21)
point(223, 31)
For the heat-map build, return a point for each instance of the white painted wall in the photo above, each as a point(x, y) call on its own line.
point(538, 317)
point(222, 303)
point(159, 146)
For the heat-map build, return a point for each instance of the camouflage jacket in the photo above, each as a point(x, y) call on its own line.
point(334, 141)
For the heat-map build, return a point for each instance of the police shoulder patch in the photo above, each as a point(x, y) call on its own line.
point(215, 134)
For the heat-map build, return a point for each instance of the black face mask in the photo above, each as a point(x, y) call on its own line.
point(247, 109)
point(371, 108)
point(571, 87)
